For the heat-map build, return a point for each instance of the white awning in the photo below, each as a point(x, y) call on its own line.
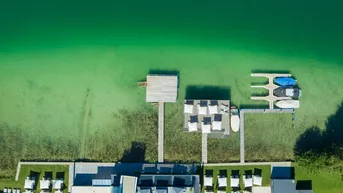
point(192, 126)
point(208, 181)
point(257, 180)
point(234, 182)
point(222, 182)
point(44, 184)
point(202, 110)
point(247, 182)
point(205, 128)
point(57, 184)
point(217, 125)
point(29, 184)
point(188, 108)
point(213, 109)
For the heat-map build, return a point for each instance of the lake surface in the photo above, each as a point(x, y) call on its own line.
point(58, 58)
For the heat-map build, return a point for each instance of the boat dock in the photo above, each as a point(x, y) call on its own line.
point(241, 114)
point(271, 98)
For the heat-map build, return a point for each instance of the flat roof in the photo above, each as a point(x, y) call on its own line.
point(129, 184)
point(161, 88)
point(92, 189)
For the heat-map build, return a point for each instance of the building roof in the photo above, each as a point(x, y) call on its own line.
point(161, 88)
point(284, 186)
point(92, 189)
point(261, 189)
point(129, 184)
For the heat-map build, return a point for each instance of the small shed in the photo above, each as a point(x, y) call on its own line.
point(161, 88)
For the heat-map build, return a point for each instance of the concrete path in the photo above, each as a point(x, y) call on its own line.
point(241, 115)
point(251, 164)
point(160, 132)
point(204, 148)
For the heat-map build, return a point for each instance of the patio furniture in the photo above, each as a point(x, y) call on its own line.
point(29, 183)
point(247, 181)
point(188, 107)
point(208, 179)
point(234, 179)
point(205, 127)
point(213, 109)
point(202, 108)
point(193, 123)
point(257, 177)
point(222, 178)
point(224, 109)
point(44, 184)
point(57, 184)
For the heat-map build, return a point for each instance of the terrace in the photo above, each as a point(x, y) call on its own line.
point(207, 116)
point(55, 178)
point(217, 171)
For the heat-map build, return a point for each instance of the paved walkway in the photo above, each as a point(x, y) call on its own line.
point(160, 132)
point(204, 148)
point(251, 164)
point(242, 112)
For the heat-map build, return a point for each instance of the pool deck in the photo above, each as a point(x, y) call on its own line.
point(271, 98)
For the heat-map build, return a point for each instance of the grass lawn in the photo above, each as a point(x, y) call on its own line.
point(61, 171)
point(263, 132)
point(323, 181)
point(266, 173)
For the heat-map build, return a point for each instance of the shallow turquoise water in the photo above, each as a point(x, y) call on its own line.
point(51, 52)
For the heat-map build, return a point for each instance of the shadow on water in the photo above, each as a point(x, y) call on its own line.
point(304, 185)
point(328, 142)
point(208, 92)
point(136, 154)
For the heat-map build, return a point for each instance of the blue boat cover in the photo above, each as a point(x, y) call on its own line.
point(285, 81)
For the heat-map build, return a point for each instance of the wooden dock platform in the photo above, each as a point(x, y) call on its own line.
point(160, 131)
point(241, 134)
point(271, 98)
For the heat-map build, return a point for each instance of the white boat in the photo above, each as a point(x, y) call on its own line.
point(234, 120)
point(288, 104)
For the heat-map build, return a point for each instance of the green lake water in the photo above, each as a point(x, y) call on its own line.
point(56, 57)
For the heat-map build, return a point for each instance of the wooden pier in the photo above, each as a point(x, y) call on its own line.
point(241, 114)
point(160, 131)
point(204, 148)
point(271, 98)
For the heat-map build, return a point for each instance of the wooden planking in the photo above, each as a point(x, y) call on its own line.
point(161, 132)
point(161, 88)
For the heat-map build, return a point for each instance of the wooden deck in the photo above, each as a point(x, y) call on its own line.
point(225, 117)
point(271, 98)
point(160, 132)
point(241, 114)
point(204, 148)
